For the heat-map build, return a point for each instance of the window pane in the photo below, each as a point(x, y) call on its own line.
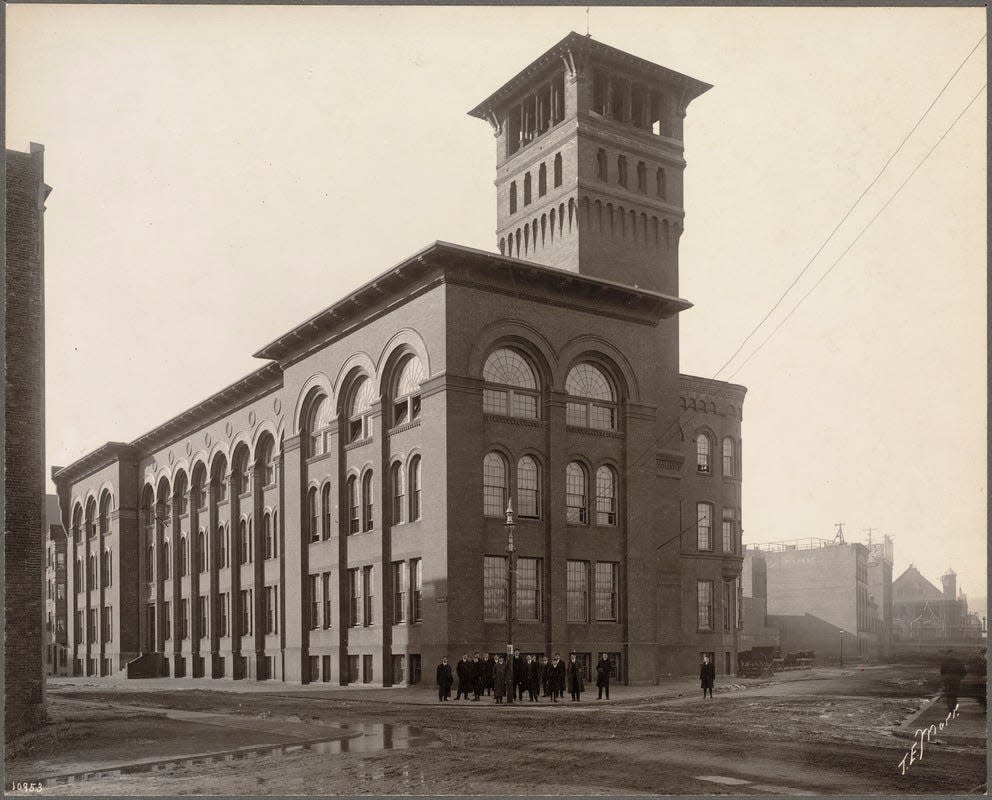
point(495, 401)
point(524, 405)
point(704, 526)
point(606, 591)
point(509, 368)
point(494, 588)
point(606, 497)
point(728, 456)
point(577, 591)
point(410, 377)
point(586, 380)
point(702, 453)
point(602, 417)
point(528, 583)
point(704, 594)
point(528, 487)
point(362, 398)
point(494, 485)
point(575, 415)
point(575, 493)
point(729, 540)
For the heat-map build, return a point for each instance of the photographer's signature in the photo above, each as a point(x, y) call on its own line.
point(916, 751)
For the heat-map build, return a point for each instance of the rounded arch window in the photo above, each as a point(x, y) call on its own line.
point(414, 487)
point(606, 496)
point(397, 480)
point(359, 410)
point(105, 508)
point(513, 388)
point(528, 488)
point(728, 457)
point(406, 390)
point(704, 454)
point(592, 400)
point(265, 461)
point(576, 494)
point(317, 421)
point(493, 485)
point(353, 514)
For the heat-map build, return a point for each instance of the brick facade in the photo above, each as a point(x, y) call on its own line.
point(340, 490)
point(24, 432)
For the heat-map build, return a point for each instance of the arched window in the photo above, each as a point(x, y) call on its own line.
point(354, 522)
point(220, 485)
point(239, 472)
point(91, 572)
point(90, 521)
point(704, 526)
point(703, 451)
point(313, 514)
point(243, 542)
point(515, 390)
point(528, 488)
point(166, 566)
point(592, 401)
point(406, 390)
point(513, 197)
point(622, 170)
point(200, 489)
point(576, 504)
point(601, 169)
point(105, 507)
point(265, 461)
point(359, 419)
point(201, 552)
point(527, 188)
point(661, 189)
point(728, 457)
point(325, 506)
point(414, 479)
point(606, 496)
point(267, 534)
point(77, 575)
point(493, 485)
point(317, 421)
point(557, 170)
point(397, 483)
point(642, 176)
point(150, 563)
point(542, 180)
point(275, 534)
point(367, 518)
point(183, 557)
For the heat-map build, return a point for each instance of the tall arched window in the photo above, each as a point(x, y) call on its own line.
point(592, 401)
point(265, 461)
point(200, 489)
point(91, 513)
point(527, 188)
point(576, 496)
point(105, 508)
point(728, 457)
point(703, 451)
point(325, 507)
point(367, 517)
point(606, 496)
point(166, 566)
point(642, 176)
point(704, 526)
point(313, 514)
point(622, 170)
point(201, 552)
point(397, 484)
point(493, 485)
point(354, 521)
point(359, 418)
point(150, 562)
point(243, 542)
point(557, 170)
point(660, 188)
point(275, 534)
point(601, 169)
point(406, 390)
point(513, 197)
point(528, 488)
point(415, 485)
point(542, 180)
point(267, 534)
point(183, 557)
point(513, 389)
point(317, 421)
point(239, 472)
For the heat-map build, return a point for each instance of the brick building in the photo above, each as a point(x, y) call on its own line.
point(923, 613)
point(338, 514)
point(56, 640)
point(24, 439)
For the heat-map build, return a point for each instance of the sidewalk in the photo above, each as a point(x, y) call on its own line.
point(968, 728)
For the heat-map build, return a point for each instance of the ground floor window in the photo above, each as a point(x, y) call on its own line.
point(414, 676)
point(353, 669)
point(366, 669)
point(314, 667)
point(326, 668)
point(398, 669)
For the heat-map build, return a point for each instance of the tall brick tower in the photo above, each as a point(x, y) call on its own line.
point(589, 163)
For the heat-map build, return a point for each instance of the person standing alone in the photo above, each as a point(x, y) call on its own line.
point(574, 678)
point(444, 680)
point(707, 674)
point(603, 670)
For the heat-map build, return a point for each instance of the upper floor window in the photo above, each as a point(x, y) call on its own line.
point(513, 197)
point(527, 189)
point(601, 168)
point(622, 170)
point(704, 526)
point(266, 535)
point(359, 412)
point(528, 488)
point(201, 552)
point(661, 188)
point(406, 391)
point(728, 457)
point(200, 491)
point(542, 180)
point(105, 507)
point(703, 455)
point(317, 422)
point(266, 463)
point(557, 170)
point(642, 176)
point(606, 496)
point(354, 520)
point(325, 507)
point(367, 519)
point(576, 495)
point(313, 515)
point(239, 473)
point(414, 487)
point(730, 531)
point(535, 114)
point(183, 556)
point(397, 481)
point(592, 401)
point(493, 485)
point(515, 389)
point(166, 565)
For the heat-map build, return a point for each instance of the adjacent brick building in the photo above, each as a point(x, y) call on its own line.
point(338, 515)
point(24, 439)
point(56, 639)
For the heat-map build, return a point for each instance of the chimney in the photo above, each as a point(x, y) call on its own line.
point(949, 579)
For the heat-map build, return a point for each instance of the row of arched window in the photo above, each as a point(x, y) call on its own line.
point(540, 231)
point(705, 456)
point(403, 407)
point(580, 508)
point(106, 571)
point(512, 390)
point(542, 183)
point(659, 185)
point(405, 486)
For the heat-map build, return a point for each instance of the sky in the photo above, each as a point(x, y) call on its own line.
point(221, 173)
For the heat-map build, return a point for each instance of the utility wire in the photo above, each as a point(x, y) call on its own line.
point(860, 234)
point(849, 210)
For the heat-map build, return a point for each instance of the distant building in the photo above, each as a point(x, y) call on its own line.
point(55, 642)
point(923, 613)
point(757, 637)
point(24, 431)
point(880, 555)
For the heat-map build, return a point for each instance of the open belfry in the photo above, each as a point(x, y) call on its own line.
point(339, 514)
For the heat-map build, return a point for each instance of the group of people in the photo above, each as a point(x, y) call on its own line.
point(549, 678)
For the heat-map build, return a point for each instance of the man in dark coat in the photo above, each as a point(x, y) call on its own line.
point(545, 676)
point(533, 678)
point(499, 679)
point(573, 676)
point(556, 672)
point(603, 671)
point(464, 672)
point(519, 675)
point(487, 673)
point(707, 674)
point(475, 670)
point(952, 671)
point(444, 680)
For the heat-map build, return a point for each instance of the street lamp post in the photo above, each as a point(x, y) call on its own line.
point(842, 648)
point(510, 526)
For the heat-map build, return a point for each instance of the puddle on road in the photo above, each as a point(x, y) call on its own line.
point(372, 737)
